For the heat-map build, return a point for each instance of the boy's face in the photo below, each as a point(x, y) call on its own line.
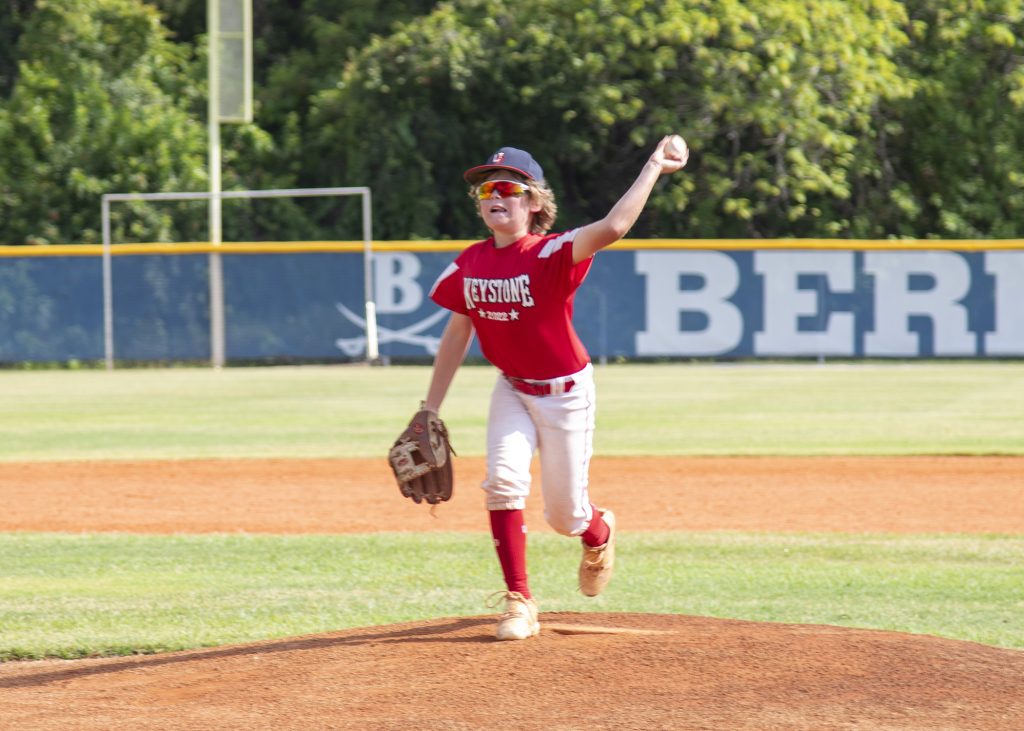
point(507, 210)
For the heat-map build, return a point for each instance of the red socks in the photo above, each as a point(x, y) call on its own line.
point(598, 531)
point(509, 531)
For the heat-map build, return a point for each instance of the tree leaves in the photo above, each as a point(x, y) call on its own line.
point(774, 97)
point(90, 115)
point(844, 118)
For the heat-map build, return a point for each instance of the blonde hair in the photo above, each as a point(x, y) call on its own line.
point(541, 221)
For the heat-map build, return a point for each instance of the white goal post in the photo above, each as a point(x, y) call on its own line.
point(216, 287)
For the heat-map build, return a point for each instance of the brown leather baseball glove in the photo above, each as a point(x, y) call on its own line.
point(421, 459)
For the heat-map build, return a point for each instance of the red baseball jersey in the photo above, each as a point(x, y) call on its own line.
point(520, 300)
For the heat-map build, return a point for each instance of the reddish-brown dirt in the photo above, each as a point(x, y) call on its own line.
point(584, 671)
point(850, 494)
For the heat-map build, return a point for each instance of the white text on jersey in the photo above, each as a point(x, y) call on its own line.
point(514, 290)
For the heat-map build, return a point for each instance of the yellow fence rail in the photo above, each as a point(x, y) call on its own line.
point(355, 247)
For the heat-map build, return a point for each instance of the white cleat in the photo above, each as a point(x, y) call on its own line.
point(598, 563)
point(519, 622)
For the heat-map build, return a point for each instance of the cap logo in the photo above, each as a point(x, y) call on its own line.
point(498, 157)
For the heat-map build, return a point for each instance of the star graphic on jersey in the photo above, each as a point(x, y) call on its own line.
point(513, 314)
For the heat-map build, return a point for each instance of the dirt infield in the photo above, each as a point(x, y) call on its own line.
point(849, 494)
point(585, 671)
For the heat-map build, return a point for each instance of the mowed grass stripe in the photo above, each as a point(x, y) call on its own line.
point(83, 595)
point(973, 407)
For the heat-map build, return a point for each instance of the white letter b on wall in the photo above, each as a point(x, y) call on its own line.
point(666, 301)
point(395, 286)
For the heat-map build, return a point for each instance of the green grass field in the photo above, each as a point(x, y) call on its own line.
point(73, 595)
point(350, 411)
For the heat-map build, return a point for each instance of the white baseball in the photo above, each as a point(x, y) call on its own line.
point(676, 148)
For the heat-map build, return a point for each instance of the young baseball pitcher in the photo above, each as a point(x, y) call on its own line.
point(515, 290)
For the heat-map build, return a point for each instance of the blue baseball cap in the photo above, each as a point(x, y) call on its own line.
point(507, 158)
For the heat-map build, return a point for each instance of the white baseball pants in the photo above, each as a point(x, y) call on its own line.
point(561, 428)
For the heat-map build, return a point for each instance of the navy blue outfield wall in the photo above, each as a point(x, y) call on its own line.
point(636, 302)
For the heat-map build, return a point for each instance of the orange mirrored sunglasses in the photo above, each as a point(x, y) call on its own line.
point(504, 189)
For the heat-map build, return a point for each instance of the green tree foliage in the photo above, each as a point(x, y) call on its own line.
point(953, 154)
point(774, 96)
point(844, 118)
point(299, 47)
point(102, 103)
point(302, 43)
point(12, 22)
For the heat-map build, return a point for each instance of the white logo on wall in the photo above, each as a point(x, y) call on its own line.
point(397, 293)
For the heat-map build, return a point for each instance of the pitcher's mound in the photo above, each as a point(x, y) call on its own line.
point(584, 671)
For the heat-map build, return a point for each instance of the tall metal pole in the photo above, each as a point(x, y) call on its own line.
point(213, 130)
point(108, 290)
point(372, 349)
